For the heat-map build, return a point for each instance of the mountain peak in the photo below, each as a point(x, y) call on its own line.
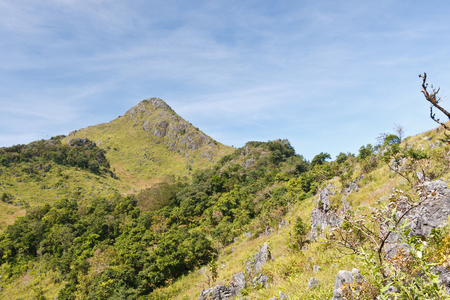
point(156, 102)
point(149, 105)
point(151, 140)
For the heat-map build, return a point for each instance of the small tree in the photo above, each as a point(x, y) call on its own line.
point(320, 159)
point(300, 231)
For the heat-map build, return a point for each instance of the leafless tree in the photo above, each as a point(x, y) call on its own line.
point(434, 99)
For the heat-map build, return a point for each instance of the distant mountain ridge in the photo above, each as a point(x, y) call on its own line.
point(151, 142)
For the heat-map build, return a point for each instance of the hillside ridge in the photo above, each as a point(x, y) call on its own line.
point(151, 141)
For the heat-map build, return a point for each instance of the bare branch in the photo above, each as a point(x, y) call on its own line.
point(433, 98)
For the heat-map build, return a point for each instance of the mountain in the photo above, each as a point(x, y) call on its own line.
point(147, 145)
point(151, 143)
point(259, 222)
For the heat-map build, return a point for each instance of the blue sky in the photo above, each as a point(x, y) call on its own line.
point(327, 75)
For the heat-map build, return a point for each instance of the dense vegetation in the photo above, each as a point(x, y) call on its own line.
point(102, 249)
point(120, 247)
point(127, 247)
point(38, 155)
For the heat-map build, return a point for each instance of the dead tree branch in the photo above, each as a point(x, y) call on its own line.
point(434, 99)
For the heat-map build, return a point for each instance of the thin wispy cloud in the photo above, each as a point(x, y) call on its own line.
point(313, 72)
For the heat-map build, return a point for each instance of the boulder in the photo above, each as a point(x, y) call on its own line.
point(343, 277)
point(237, 284)
point(444, 277)
point(255, 264)
point(221, 292)
point(261, 280)
point(323, 216)
point(313, 283)
point(352, 186)
point(282, 296)
point(433, 212)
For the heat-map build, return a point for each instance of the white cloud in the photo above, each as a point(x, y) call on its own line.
point(269, 68)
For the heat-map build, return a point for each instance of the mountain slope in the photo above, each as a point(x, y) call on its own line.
point(151, 142)
point(362, 184)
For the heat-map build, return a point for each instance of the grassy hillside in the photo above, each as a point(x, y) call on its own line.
point(151, 143)
point(179, 236)
point(45, 171)
point(147, 145)
point(291, 268)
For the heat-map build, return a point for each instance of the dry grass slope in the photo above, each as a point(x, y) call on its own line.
point(151, 143)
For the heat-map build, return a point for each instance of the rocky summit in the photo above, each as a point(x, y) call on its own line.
point(151, 141)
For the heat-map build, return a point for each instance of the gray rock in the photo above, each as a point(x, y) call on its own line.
point(391, 289)
point(313, 283)
point(254, 265)
point(261, 280)
point(345, 204)
point(351, 187)
point(433, 146)
point(444, 277)
point(282, 296)
point(219, 292)
point(247, 234)
point(356, 274)
point(322, 216)
point(267, 231)
point(421, 177)
point(342, 277)
point(80, 142)
point(432, 213)
point(237, 284)
point(282, 224)
point(316, 268)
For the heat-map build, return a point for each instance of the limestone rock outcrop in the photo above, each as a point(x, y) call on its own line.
point(344, 277)
point(239, 282)
point(254, 265)
point(323, 214)
point(221, 292)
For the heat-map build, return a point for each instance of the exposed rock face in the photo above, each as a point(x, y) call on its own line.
point(433, 211)
point(352, 186)
point(238, 284)
point(158, 118)
point(259, 259)
point(342, 277)
point(261, 280)
point(323, 215)
point(221, 292)
point(444, 277)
